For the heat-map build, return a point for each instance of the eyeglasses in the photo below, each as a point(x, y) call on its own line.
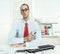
point(24, 9)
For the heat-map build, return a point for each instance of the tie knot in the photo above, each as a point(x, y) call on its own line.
point(26, 23)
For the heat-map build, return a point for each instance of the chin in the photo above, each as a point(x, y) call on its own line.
point(25, 17)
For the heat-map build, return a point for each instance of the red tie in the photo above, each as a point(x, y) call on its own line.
point(26, 30)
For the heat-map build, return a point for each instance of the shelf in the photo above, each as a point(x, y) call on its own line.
point(50, 37)
point(49, 23)
point(45, 22)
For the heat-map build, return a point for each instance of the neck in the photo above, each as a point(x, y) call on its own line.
point(26, 19)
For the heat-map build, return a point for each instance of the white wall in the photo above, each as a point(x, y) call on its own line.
point(46, 8)
point(5, 20)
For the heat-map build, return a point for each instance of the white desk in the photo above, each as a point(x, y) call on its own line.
point(4, 49)
point(57, 49)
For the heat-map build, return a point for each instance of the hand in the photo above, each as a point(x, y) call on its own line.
point(30, 36)
point(25, 39)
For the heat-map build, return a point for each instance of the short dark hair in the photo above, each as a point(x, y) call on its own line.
point(24, 4)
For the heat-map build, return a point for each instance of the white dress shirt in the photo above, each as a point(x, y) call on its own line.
point(17, 34)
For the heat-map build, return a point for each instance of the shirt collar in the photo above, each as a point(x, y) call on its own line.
point(25, 21)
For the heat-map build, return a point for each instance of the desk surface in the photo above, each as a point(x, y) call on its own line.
point(7, 49)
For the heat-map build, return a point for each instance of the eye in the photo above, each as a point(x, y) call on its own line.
point(24, 9)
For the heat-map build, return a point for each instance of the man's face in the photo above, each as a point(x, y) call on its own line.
point(24, 11)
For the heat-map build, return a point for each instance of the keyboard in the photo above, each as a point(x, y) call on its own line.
point(40, 48)
point(46, 47)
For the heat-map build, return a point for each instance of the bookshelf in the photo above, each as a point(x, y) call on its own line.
point(47, 29)
point(49, 37)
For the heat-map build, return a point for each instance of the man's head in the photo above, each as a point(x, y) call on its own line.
point(24, 10)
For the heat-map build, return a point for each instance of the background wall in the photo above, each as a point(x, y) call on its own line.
point(5, 20)
point(44, 10)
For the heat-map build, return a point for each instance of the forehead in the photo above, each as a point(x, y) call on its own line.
point(24, 6)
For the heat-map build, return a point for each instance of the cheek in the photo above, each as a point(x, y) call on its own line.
point(27, 13)
point(22, 13)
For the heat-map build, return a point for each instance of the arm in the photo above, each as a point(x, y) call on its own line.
point(13, 40)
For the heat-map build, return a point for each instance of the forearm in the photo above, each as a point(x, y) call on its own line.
point(35, 41)
point(18, 45)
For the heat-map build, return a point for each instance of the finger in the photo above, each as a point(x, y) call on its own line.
point(30, 33)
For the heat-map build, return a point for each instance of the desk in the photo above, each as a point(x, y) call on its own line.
point(57, 49)
point(4, 49)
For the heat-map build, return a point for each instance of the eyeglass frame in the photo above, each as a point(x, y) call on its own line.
point(22, 10)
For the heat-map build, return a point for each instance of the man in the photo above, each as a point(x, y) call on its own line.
point(25, 32)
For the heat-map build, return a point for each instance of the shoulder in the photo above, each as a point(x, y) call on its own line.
point(17, 22)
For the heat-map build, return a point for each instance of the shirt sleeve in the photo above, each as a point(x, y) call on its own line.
point(12, 36)
point(37, 41)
